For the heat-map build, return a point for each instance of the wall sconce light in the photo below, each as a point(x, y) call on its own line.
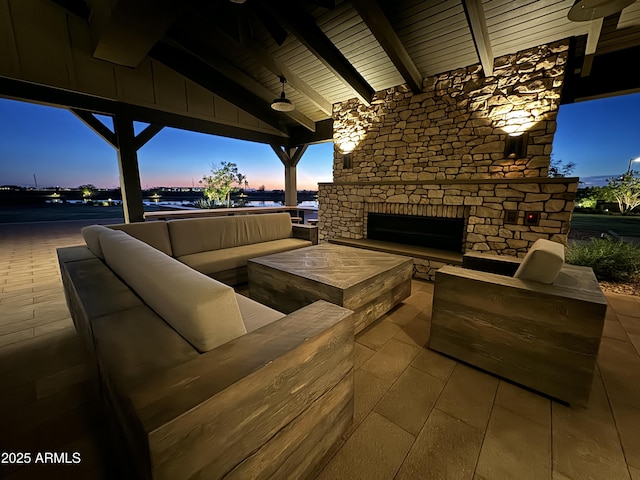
point(347, 161)
point(516, 145)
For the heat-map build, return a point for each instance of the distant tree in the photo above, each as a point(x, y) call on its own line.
point(218, 185)
point(588, 197)
point(557, 168)
point(625, 190)
point(87, 191)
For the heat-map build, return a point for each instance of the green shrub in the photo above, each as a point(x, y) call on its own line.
point(611, 260)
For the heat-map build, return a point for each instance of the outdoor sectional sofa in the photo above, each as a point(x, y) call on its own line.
point(221, 246)
point(202, 382)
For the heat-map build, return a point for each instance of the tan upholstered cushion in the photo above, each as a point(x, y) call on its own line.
point(91, 236)
point(542, 263)
point(195, 235)
point(136, 343)
point(256, 315)
point(205, 312)
point(215, 261)
point(154, 233)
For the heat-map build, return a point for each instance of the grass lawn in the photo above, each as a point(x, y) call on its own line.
point(622, 225)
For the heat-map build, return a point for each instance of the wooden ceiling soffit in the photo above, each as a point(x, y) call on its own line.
point(478, 24)
point(304, 27)
point(252, 48)
point(192, 67)
point(123, 31)
point(217, 62)
point(376, 20)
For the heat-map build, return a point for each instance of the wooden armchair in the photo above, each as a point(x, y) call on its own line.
point(544, 336)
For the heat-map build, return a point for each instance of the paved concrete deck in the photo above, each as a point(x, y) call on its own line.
point(418, 414)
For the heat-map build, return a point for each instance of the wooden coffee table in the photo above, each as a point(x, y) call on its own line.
point(369, 283)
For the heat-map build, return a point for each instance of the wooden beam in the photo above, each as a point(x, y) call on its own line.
point(595, 28)
point(290, 158)
point(190, 66)
point(235, 75)
point(96, 125)
point(123, 31)
point(147, 134)
point(478, 25)
point(376, 20)
point(52, 96)
point(129, 171)
point(253, 49)
point(301, 136)
point(304, 27)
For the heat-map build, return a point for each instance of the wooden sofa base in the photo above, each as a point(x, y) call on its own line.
point(269, 404)
point(545, 337)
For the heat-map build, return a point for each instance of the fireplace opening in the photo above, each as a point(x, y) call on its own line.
point(433, 232)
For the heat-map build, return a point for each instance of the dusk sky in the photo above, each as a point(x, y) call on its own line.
point(599, 136)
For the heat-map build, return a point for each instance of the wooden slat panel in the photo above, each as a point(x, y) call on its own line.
point(199, 100)
point(92, 76)
point(42, 42)
point(9, 64)
point(135, 85)
point(169, 87)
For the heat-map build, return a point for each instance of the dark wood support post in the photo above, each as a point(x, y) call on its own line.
point(129, 172)
point(290, 158)
point(127, 144)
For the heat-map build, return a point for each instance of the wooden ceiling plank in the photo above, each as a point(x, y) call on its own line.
point(307, 31)
point(480, 33)
point(384, 33)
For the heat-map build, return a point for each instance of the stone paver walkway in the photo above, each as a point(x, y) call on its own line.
point(418, 414)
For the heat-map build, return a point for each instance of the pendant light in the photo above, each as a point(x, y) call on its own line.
point(283, 104)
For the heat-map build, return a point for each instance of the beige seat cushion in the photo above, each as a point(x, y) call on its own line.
point(542, 263)
point(205, 312)
point(136, 343)
point(256, 315)
point(229, 258)
point(195, 235)
point(154, 233)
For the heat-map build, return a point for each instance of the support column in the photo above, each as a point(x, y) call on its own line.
point(127, 144)
point(290, 158)
point(129, 173)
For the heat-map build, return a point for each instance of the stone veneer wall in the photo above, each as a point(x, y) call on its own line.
point(458, 126)
point(441, 152)
point(343, 210)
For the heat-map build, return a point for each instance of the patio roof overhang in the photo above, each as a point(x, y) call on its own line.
point(215, 66)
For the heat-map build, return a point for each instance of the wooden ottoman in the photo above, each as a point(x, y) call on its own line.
point(369, 283)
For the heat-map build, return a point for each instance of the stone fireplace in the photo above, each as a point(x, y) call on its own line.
point(441, 154)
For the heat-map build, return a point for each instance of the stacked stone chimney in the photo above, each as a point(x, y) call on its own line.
point(445, 147)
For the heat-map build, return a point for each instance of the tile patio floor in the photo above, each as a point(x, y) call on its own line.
point(418, 415)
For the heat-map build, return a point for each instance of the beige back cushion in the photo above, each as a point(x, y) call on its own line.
point(195, 235)
point(91, 236)
point(542, 263)
point(154, 233)
point(205, 312)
